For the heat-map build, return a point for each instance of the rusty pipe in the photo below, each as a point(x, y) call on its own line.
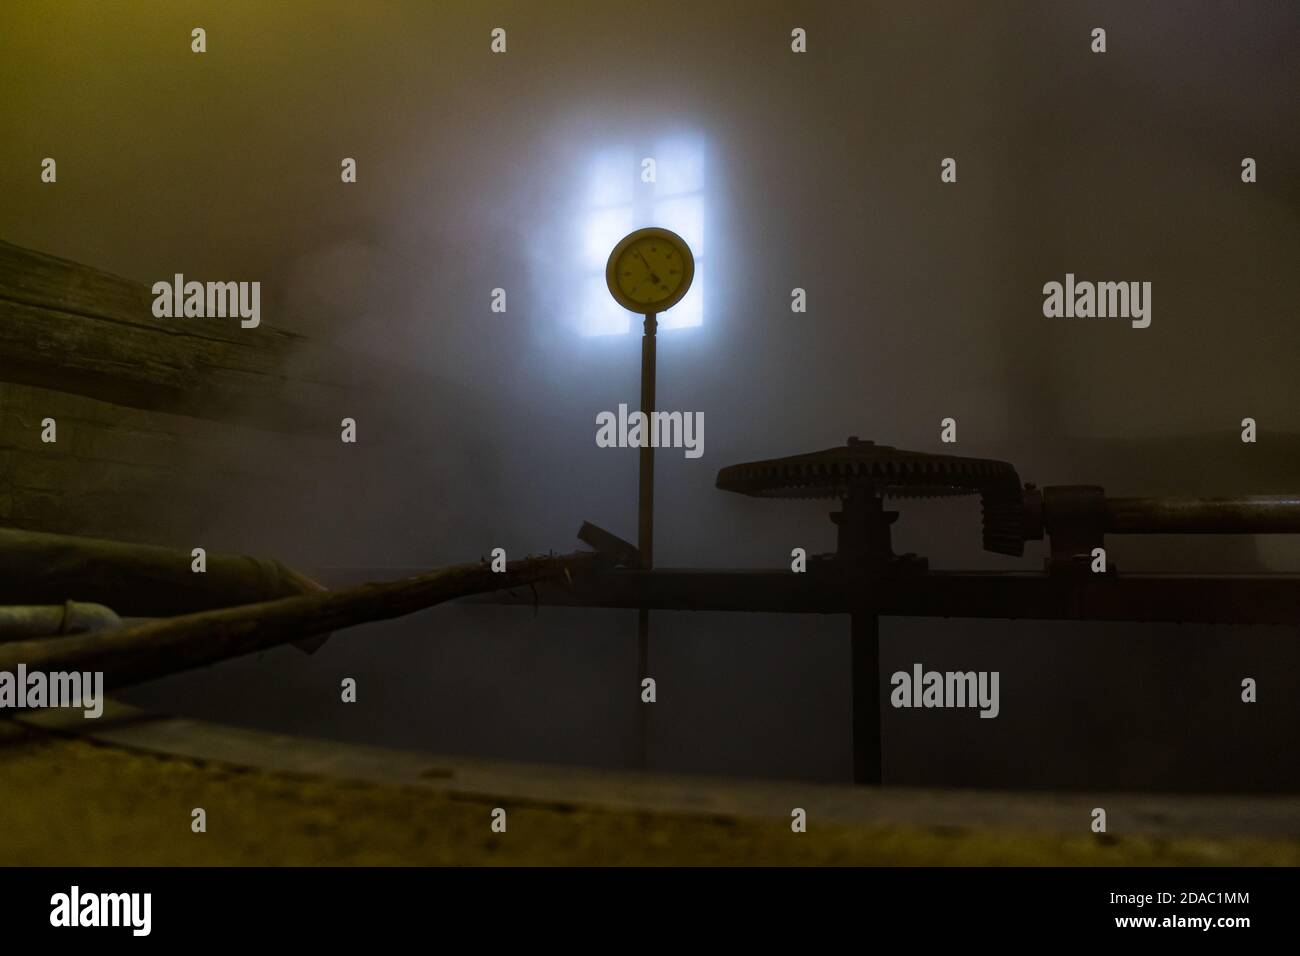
point(1243, 514)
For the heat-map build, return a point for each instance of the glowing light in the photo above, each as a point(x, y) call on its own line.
point(618, 201)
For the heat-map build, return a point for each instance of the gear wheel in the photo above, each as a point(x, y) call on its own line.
point(892, 473)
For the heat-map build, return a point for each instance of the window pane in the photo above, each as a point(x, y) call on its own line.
point(617, 202)
point(684, 216)
point(689, 311)
point(602, 230)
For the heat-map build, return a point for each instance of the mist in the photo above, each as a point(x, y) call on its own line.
point(820, 171)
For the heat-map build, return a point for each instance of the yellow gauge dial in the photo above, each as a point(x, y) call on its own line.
point(650, 270)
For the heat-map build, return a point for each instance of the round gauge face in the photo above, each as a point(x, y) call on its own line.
point(650, 270)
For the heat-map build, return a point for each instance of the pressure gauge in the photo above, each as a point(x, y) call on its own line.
point(650, 270)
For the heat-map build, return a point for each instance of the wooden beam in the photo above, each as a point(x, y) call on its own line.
point(609, 544)
point(135, 580)
point(73, 328)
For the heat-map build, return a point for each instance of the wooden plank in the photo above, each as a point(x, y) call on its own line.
point(93, 429)
point(148, 476)
point(49, 282)
point(73, 328)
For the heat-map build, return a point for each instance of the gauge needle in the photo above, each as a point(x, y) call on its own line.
point(653, 278)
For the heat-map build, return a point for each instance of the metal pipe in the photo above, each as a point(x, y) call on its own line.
point(1245, 514)
point(864, 660)
point(645, 517)
point(1030, 595)
point(645, 525)
point(23, 622)
point(143, 652)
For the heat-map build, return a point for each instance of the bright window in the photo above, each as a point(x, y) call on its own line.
point(619, 201)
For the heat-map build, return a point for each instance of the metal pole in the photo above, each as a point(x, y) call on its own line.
point(645, 525)
point(865, 677)
point(862, 544)
point(646, 495)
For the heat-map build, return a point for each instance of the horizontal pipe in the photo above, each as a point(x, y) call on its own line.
point(22, 622)
point(136, 580)
point(142, 652)
point(1245, 514)
point(1203, 598)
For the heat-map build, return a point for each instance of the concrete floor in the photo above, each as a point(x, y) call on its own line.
point(121, 791)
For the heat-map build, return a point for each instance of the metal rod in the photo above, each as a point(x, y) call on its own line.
point(141, 652)
point(643, 671)
point(1245, 514)
point(863, 548)
point(865, 640)
point(1029, 595)
point(646, 491)
point(645, 529)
